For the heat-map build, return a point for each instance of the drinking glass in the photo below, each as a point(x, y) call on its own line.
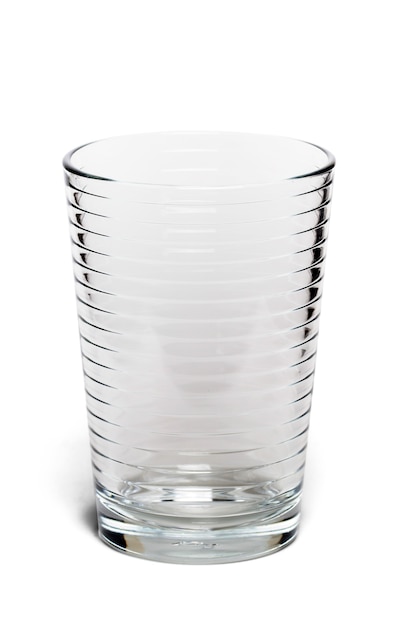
point(198, 261)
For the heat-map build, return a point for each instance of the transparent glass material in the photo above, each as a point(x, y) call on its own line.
point(198, 262)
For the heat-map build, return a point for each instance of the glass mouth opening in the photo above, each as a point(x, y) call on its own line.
point(198, 160)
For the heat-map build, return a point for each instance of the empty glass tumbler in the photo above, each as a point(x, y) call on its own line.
point(198, 260)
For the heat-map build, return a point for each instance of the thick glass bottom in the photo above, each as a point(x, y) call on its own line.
point(200, 537)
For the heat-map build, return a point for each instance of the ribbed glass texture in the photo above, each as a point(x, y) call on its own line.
point(198, 262)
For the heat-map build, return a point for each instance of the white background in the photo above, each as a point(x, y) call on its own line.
point(340, 74)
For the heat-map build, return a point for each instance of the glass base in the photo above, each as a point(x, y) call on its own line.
point(196, 540)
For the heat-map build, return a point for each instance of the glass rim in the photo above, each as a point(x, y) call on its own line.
point(72, 169)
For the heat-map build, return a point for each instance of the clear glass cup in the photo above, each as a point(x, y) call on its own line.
point(198, 260)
